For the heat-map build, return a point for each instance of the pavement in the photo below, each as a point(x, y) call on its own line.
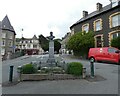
point(105, 82)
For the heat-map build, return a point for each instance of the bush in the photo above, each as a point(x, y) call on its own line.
point(115, 42)
point(75, 68)
point(28, 69)
point(80, 43)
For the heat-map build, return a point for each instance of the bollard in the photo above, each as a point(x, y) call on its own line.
point(39, 65)
point(63, 64)
point(56, 63)
point(84, 73)
point(92, 68)
point(19, 70)
point(11, 74)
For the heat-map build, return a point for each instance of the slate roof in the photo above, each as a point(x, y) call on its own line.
point(104, 9)
point(6, 25)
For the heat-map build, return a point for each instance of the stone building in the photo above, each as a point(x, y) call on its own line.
point(31, 46)
point(64, 41)
point(104, 22)
point(8, 38)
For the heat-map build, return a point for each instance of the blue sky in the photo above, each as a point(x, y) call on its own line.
point(42, 16)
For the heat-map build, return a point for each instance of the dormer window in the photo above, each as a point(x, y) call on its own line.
point(114, 3)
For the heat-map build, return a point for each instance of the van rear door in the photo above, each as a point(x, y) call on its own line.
point(112, 56)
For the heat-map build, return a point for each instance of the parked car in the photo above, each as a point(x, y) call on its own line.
point(110, 54)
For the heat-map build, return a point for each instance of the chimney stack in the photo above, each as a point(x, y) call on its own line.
point(99, 6)
point(85, 13)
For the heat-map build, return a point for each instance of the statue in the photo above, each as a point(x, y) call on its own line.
point(51, 36)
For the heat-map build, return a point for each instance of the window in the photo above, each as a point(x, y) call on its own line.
point(10, 43)
point(2, 51)
point(35, 41)
point(24, 47)
point(30, 41)
point(24, 41)
point(3, 42)
point(34, 46)
point(10, 37)
point(112, 50)
point(20, 46)
point(85, 27)
point(28, 46)
point(114, 3)
point(3, 35)
point(115, 35)
point(98, 25)
point(114, 20)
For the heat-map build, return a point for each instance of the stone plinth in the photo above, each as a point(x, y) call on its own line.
point(51, 59)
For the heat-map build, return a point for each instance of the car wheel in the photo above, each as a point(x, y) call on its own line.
point(92, 59)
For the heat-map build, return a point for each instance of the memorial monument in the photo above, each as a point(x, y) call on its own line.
point(51, 59)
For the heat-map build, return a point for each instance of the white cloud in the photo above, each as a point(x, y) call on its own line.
point(42, 16)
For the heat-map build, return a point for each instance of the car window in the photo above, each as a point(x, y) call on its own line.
point(111, 50)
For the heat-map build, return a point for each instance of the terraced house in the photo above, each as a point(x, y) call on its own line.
point(104, 22)
point(8, 38)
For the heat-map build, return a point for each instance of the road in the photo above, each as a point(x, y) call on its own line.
point(18, 62)
point(107, 86)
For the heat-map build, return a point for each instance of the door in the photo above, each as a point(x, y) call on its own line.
point(99, 41)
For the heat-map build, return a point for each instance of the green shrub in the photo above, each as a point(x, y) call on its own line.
point(75, 68)
point(116, 42)
point(28, 69)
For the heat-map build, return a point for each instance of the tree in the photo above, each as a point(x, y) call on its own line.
point(116, 42)
point(81, 42)
point(44, 43)
point(57, 45)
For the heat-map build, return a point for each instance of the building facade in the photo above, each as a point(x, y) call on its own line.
point(31, 46)
point(64, 41)
point(104, 22)
point(8, 38)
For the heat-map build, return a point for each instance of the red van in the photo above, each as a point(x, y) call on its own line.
point(104, 54)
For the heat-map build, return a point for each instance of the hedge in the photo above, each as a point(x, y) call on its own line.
point(28, 69)
point(75, 68)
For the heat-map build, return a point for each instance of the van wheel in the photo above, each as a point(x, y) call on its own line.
point(92, 59)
